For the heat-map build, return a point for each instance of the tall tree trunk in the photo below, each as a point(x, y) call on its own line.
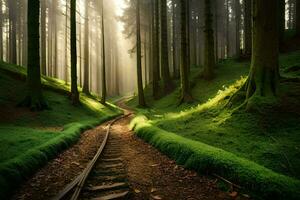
point(238, 27)
point(216, 29)
point(24, 36)
point(209, 52)
point(184, 76)
point(155, 82)
point(174, 40)
point(12, 31)
point(34, 98)
point(188, 35)
point(55, 49)
point(1, 32)
point(227, 29)
point(50, 42)
point(138, 57)
point(43, 37)
point(103, 91)
point(145, 58)
point(74, 89)
point(66, 74)
point(168, 85)
point(80, 54)
point(264, 73)
point(281, 19)
point(290, 14)
point(298, 17)
point(248, 27)
point(86, 88)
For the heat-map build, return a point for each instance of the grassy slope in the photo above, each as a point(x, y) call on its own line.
point(269, 140)
point(27, 139)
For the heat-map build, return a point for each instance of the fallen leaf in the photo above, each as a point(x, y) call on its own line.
point(233, 194)
point(137, 190)
point(156, 197)
point(246, 195)
point(153, 190)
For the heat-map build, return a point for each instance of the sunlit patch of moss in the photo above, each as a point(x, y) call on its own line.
point(270, 139)
point(225, 92)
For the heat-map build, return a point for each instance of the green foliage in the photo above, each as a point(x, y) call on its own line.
point(205, 158)
point(260, 149)
point(29, 139)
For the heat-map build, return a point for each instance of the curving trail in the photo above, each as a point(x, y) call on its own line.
point(142, 170)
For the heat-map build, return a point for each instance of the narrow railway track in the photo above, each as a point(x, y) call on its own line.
point(104, 178)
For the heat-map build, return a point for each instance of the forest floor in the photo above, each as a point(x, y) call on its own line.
point(150, 174)
point(29, 139)
point(270, 139)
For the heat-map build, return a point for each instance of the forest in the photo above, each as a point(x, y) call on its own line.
point(150, 99)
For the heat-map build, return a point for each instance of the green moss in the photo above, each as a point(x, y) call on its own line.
point(271, 138)
point(205, 158)
point(29, 139)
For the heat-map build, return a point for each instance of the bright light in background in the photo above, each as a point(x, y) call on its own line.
point(126, 62)
point(120, 5)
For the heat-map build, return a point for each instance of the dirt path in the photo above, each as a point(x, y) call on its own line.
point(150, 174)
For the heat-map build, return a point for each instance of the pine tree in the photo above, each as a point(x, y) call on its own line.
point(103, 96)
point(184, 77)
point(86, 84)
point(34, 98)
point(281, 19)
point(1, 32)
point(298, 17)
point(264, 73)
point(155, 82)
point(138, 59)
point(43, 38)
point(74, 89)
point(209, 51)
point(167, 81)
point(248, 27)
point(238, 27)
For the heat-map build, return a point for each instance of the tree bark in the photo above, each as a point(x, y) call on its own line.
point(209, 52)
point(175, 73)
point(43, 37)
point(248, 27)
point(227, 30)
point(184, 77)
point(12, 32)
point(216, 30)
point(264, 73)
point(138, 59)
point(86, 88)
point(34, 98)
point(188, 46)
point(1, 32)
point(66, 74)
point(55, 49)
point(298, 17)
point(281, 19)
point(74, 89)
point(168, 85)
point(103, 91)
point(156, 63)
point(238, 27)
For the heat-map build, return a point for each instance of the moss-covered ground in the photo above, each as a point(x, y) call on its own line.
point(29, 139)
point(268, 139)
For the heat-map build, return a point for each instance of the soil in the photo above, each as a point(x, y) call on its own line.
point(150, 174)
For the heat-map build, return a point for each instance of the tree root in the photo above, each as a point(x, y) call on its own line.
point(34, 103)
